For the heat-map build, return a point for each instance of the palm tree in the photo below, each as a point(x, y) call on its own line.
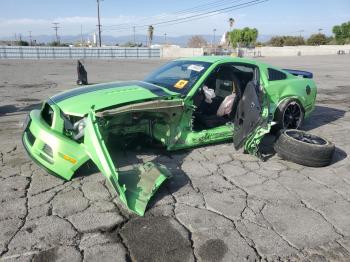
point(150, 34)
point(231, 22)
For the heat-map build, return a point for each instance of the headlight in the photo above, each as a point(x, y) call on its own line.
point(74, 126)
point(79, 128)
point(47, 114)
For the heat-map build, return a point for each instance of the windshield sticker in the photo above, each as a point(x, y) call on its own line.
point(181, 84)
point(196, 68)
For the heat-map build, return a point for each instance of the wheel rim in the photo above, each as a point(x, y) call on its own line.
point(306, 138)
point(292, 116)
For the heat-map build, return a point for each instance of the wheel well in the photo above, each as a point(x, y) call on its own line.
point(287, 100)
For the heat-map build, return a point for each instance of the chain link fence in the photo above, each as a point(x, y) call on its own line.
point(44, 52)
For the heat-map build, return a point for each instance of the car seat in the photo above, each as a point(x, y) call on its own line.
point(207, 115)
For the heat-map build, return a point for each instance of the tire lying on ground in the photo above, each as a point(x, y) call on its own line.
point(304, 148)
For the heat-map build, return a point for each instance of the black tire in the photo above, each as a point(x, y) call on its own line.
point(303, 148)
point(281, 111)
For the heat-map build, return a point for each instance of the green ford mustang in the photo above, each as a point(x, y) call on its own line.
point(186, 103)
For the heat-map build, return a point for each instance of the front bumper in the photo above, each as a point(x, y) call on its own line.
point(61, 156)
point(51, 150)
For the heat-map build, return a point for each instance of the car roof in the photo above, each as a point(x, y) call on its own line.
point(223, 59)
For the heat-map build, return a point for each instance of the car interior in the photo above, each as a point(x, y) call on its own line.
point(226, 85)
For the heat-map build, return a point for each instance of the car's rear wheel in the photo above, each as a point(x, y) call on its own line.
point(304, 148)
point(289, 115)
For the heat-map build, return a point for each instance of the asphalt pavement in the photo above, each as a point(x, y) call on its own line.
point(220, 205)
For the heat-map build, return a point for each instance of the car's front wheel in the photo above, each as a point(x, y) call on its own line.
point(289, 115)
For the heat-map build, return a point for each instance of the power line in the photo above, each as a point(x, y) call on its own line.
point(190, 18)
point(55, 27)
point(203, 7)
point(201, 15)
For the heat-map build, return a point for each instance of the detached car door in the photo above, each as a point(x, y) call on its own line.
point(251, 121)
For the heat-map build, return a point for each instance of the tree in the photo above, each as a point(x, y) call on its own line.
point(55, 43)
point(235, 37)
point(243, 37)
point(317, 39)
point(249, 36)
point(22, 43)
point(294, 40)
point(130, 44)
point(287, 41)
point(342, 33)
point(276, 41)
point(197, 41)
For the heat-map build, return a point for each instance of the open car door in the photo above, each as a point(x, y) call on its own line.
point(251, 121)
point(135, 187)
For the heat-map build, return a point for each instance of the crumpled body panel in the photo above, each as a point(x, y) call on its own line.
point(135, 187)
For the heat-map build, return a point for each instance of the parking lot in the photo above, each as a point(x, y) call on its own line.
point(220, 205)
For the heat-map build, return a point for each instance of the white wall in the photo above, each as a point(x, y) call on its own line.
point(177, 52)
point(298, 50)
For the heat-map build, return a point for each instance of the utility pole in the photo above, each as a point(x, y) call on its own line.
point(301, 31)
point(165, 38)
point(99, 23)
point(81, 35)
point(134, 31)
point(55, 27)
point(30, 38)
point(214, 45)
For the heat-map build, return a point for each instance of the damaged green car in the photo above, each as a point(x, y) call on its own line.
point(186, 103)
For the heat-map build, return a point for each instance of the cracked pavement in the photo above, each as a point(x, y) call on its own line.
point(220, 205)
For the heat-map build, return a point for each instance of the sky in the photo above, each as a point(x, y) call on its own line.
point(274, 17)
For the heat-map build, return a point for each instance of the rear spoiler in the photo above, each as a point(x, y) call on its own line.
point(304, 74)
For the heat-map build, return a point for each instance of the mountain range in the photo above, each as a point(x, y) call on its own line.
point(113, 40)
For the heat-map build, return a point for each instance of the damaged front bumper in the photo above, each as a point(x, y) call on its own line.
point(61, 156)
point(51, 150)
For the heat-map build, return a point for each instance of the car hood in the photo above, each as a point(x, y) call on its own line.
point(79, 101)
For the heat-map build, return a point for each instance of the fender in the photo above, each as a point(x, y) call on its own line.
point(136, 186)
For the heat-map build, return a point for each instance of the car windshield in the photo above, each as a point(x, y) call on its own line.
point(178, 76)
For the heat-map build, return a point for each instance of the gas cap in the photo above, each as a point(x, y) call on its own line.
point(308, 90)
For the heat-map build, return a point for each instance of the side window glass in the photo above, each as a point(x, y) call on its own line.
point(275, 75)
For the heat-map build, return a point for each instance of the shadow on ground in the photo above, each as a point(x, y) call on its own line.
point(138, 151)
point(323, 115)
point(10, 109)
point(141, 149)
